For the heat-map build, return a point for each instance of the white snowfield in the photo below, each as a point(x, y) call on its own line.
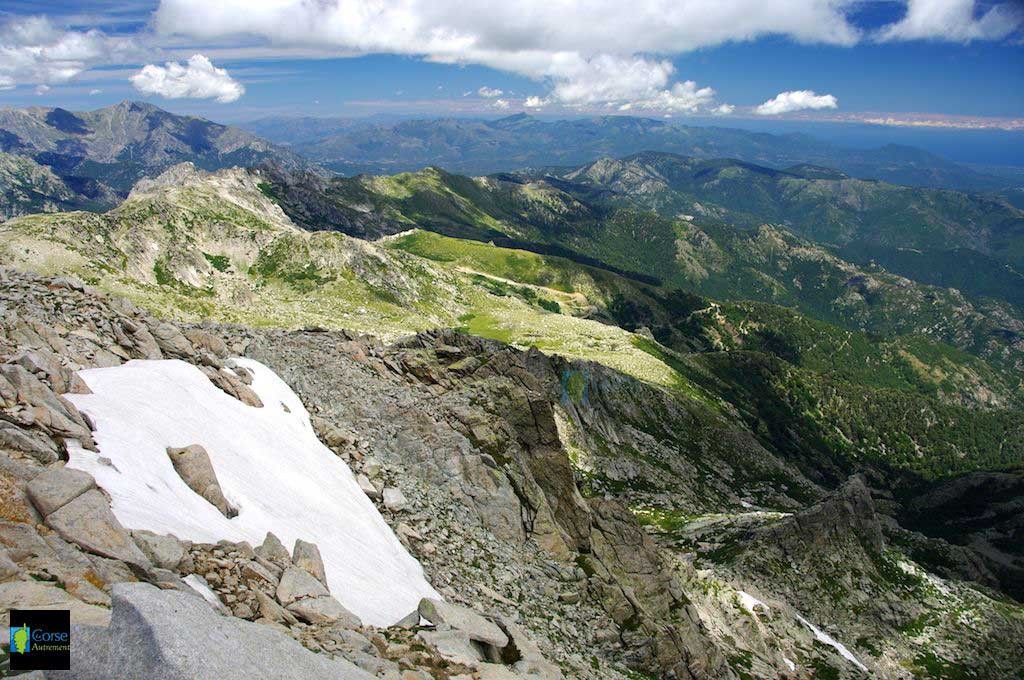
point(269, 463)
point(822, 636)
point(748, 601)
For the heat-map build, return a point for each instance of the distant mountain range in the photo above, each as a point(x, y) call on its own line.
point(950, 238)
point(611, 226)
point(72, 160)
point(482, 147)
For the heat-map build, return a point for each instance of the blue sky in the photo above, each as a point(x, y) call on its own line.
point(929, 62)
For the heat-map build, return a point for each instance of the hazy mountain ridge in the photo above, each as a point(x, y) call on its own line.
point(476, 146)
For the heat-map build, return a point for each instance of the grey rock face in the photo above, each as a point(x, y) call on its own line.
point(166, 552)
point(55, 488)
point(88, 521)
point(232, 385)
point(453, 645)
point(394, 499)
point(296, 584)
point(8, 567)
point(368, 487)
point(36, 595)
point(324, 609)
point(167, 635)
point(464, 620)
point(273, 551)
point(307, 556)
point(192, 463)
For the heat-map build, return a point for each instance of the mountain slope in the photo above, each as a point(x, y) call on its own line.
point(819, 204)
point(28, 187)
point(594, 226)
point(526, 471)
point(99, 155)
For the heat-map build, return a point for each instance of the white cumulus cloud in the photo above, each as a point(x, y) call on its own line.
point(197, 79)
point(599, 61)
point(535, 102)
point(796, 100)
point(489, 92)
point(954, 21)
point(723, 109)
point(683, 97)
point(34, 51)
point(501, 104)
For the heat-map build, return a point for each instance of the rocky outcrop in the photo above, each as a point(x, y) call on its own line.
point(56, 487)
point(847, 513)
point(468, 622)
point(192, 463)
point(165, 552)
point(88, 521)
point(164, 634)
point(34, 595)
point(306, 555)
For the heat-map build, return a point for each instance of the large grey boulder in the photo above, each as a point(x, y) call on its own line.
point(202, 340)
point(394, 499)
point(324, 609)
point(273, 551)
point(166, 552)
point(368, 487)
point(172, 341)
point(166, 635)
point(476, 627)
point(91, 641)
point(231, 384)
point(37, 595)
point(297, 584)
point(271, 610)
point(307, 556)
point(453, 645)
point(88, 522)
point(192, 463)
point(531, 662)
point(52, 489)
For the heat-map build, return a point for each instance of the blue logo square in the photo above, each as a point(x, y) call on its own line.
point(21, 639)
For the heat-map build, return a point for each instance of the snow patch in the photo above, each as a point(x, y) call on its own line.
point(748, 602)
point(270, 466)
point(199, 584)
point(822, 636)
point(789, 664)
